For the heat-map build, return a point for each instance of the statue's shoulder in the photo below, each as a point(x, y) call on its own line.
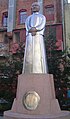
point(42, 16)
point(28, 18)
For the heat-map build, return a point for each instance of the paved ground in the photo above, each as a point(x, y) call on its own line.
point(1, 117)
point(68, 117)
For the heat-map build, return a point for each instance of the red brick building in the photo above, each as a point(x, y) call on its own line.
point(13, 14)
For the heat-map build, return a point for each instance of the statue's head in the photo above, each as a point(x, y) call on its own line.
point(35, 7)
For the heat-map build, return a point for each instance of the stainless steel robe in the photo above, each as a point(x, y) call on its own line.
point(34, 57)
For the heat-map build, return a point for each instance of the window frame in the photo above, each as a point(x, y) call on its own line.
point(50, 14)
point(22, 10)
point(5, 15)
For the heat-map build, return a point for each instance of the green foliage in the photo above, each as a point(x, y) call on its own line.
point(9, 71)
point(57, 65)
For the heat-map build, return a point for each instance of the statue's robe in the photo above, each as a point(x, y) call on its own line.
point(34, 57)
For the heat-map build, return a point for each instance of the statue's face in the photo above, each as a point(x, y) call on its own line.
point(35, 8)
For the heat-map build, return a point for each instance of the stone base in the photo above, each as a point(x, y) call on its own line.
point(62, 115)
point(48, 106)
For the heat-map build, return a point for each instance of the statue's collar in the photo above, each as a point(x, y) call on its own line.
point(36, 13)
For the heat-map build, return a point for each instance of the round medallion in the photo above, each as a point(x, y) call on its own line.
point(31, 100)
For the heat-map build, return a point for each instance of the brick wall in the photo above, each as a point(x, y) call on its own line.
point(26, 4)
point(3, 8)
point(23, 4)
point(58, 11)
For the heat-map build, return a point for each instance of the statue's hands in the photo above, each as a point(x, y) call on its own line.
point(33, 31)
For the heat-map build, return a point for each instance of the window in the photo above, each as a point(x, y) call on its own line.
point(6, 39)
point(49, 10)
point(59, 36)
point(22, 16)
point(17, 36)
point(23, 35)
point(20, 35)
point(54, 32)
point(5, 19)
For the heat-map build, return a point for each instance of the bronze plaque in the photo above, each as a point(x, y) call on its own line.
point(31, 100)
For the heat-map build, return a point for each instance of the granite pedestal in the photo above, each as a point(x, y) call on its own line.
point(48, 106)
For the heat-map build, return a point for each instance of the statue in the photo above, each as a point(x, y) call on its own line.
point(35, 98)
point(34, 57)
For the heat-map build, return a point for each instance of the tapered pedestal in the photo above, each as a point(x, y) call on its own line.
point(35, 99)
